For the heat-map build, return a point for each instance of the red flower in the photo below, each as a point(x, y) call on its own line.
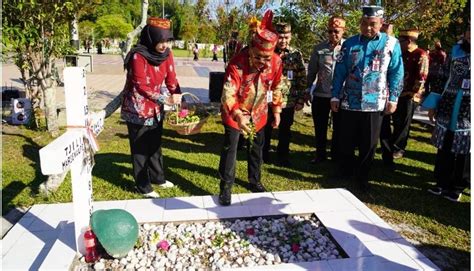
point(295, 248)
point(164, 245)
point(250, 231)
point(183, 113)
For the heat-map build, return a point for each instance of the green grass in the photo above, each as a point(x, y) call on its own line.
point(442, 228)
point(202, 54)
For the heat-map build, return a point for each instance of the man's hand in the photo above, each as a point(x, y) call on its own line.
point(431, 115)
point(307, 98)
point(390, 108)
point(174, 99)
point(243, 121)
point(335, 106)
point(276, 122)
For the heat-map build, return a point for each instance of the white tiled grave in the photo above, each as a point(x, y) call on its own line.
point(43, 239)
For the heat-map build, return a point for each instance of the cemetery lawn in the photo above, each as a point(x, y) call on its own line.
point(439, 228)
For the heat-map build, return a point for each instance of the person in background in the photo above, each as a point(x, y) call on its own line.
point(415, 63)
point(148, 65)
point(294, 73)
point(367, 81)
point(452, 132)
point(99, 47)
point(252, 81)
point(233, 45)
point(387, 28)
point(436, 78)
point(321, 68)
point(196, 52)
point(214, 53)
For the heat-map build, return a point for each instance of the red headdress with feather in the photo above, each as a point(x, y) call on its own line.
point(266, 38)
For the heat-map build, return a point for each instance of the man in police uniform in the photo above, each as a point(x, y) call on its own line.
point(320, 73)
point(294, 75)
point(367, 81)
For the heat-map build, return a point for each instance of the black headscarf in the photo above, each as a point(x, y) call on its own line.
point(149, 38)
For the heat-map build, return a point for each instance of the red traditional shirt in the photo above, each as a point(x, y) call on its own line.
point(249, 90)
point(142, 99)
point(416, 64)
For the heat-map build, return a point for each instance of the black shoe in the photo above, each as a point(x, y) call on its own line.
point(257, 187)
point(452, 196)
point(225, 195)
point(435, 190)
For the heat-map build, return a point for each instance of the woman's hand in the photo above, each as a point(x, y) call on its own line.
point(174, 99)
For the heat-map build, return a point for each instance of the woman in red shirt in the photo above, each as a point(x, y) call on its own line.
point(149, 64)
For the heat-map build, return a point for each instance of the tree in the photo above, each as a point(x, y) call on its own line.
point(131, 35)
point(431, 17)
point(187, 22)
point(36, 33)
point(112, 26)
point(86, 30)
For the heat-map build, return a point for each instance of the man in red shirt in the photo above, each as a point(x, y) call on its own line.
point(416, 63)
point(252, 80)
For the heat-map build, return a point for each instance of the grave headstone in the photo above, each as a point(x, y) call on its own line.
point(74, 149)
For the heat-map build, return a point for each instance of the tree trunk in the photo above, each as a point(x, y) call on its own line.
point(51, 113)
point(136, 31)
point(42, 74)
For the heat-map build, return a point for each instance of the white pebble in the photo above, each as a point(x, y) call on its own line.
point(99, 266)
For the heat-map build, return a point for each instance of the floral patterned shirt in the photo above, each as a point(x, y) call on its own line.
point(142, 98)
point(250, 91)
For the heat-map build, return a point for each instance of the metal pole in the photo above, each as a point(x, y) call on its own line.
point(163, 3)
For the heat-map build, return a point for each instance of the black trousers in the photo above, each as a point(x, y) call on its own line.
point(320, 110)
point(401, 122)
point(228, 158)
point(386, 140)
point(452, 171)
point(361, 130)
point(284, 132)
point(147, 160)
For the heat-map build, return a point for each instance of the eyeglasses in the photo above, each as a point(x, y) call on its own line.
point(333, 31)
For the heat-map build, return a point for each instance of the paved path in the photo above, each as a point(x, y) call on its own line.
point(108, 77)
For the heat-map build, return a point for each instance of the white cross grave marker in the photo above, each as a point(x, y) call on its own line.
point(72, 150)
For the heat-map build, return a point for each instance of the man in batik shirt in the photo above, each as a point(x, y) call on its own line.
point(294, 76)
point(416, 63)
point(252, 81)
point(320, 73)
point(367, 82)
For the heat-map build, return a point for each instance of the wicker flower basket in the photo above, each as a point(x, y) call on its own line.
point(188, 128)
